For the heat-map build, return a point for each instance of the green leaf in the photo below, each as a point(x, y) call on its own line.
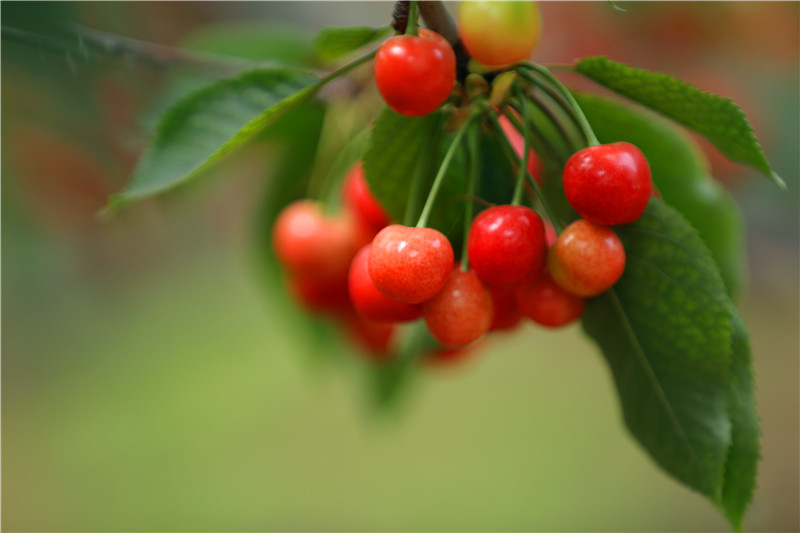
point(665, 330)
point(715, 117)
point(332, 43)
point(680, 172)
point(395, 148)
point(208, 123)
point(742, 464)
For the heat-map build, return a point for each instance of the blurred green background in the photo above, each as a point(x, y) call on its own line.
point(150, 381)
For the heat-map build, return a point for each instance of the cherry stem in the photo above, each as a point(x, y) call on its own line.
point(413, 17)
point(509, 150)
point(437, 181)
point(559, 124)
point(472, 182)
point(591, 138)
point(424, 167)
point(543, 144)
point(557, 97)
point(526, 148)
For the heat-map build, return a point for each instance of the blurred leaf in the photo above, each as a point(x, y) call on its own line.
point(332, 43)
point(742, 464)
point(203, 126)
point(665, 330)
point(715, 117)
point(289, 47)
point(392, 158)
point(680, 172)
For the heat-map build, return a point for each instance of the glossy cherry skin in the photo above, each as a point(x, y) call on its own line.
point(586, 259)
point(362, 203)
point(462, 311)
point(410, 264)
point(415, 74)
point(608, 184)
point(370, 303)
point(506, 244)
point(499, 32)
point(547, 304)
point(517, 142)
point(506, 315)
point(310, 244)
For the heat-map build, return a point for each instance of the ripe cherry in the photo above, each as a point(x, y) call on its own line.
point(410, 264)
point(369, 302)
point(462, 311)
point(506, 315)
point(310, 244)
point(506, 245)
point(415, 74)
point(608, 184)
point(586, 259)
point(499, 33)
point(546, 303)
point(375, 339)
point(362, 203)
point(320, 296)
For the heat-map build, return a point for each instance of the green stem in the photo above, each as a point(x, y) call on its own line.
point(554, 95)
point(526, 148)
point(474, 170)
point(424, 168)
point(413, 17)
point(543, 143)
point(584, 123)
point(346, 68)
point(437, 181)
point(509, 150)
point(559, 124)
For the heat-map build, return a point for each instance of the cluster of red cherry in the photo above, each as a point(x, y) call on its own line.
point(373, 275)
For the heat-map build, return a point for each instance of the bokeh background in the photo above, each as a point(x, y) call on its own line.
point(151, 381)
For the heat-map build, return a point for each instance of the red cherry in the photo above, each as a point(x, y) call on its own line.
point(506, 245)
point(312, 245)
point(415, 74)
point(608, 184)
point(375, 339)
point(461, 313)
point(506, 314)
point(586, 259)
point(321, 297)
point(360, 200)
point(546, 303)
point(410, 264)
point(517, 142)
point(369, 302)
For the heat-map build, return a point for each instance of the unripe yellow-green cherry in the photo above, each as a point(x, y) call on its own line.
point(497, 32)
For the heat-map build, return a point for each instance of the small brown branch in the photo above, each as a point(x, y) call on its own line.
point(439, 20)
